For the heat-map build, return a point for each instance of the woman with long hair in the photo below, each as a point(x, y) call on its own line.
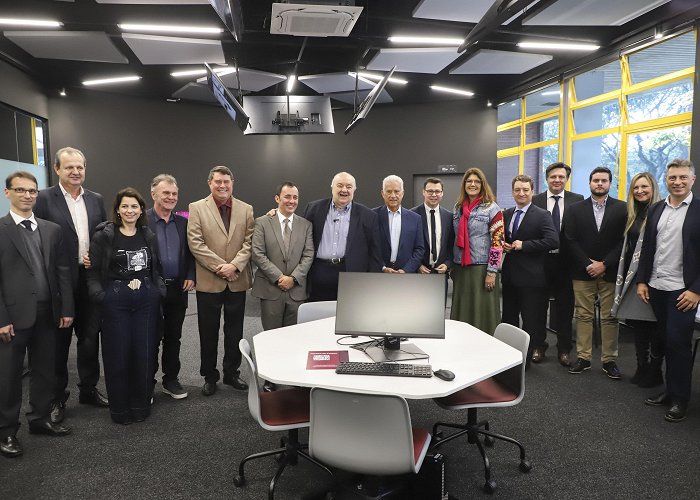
point(643, 192)
point(125, 278)
point(479, 233)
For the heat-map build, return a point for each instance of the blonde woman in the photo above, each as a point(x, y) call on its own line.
point(642, 193)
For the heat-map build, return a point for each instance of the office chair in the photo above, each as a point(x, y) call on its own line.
point(365, 434)
point(504, 389)
point(311, 311)
point(283, 410)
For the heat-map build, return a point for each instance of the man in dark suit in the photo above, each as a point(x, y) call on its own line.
point(438, 231)
point(401, 235)
point(530, 235)
point(178, 273)
point(78, 211)
point(669, 279)
point(36, 298)
point(557, 201)
point(594, 231)
point(346, 238)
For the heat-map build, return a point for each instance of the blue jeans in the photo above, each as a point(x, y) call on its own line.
point(130, 347)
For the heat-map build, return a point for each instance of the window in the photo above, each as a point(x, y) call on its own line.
point(587, 154)
point(670, 56)
point(601, 80)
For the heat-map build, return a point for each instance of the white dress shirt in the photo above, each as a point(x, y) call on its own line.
point(394, 232)
point(19, 219)
point(78, 213)
point(438, 231)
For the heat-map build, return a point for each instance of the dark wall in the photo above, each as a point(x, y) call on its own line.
point(129, 140)
point(22, 92)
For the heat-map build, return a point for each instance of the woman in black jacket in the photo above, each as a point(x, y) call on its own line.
point(125, 278)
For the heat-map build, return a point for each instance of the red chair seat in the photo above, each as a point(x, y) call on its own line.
point(285, 407)
point(486, 391)
point(420, 437)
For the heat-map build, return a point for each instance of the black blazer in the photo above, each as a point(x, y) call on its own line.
point(51, 205)
point(525, 268)
point(362, 252)
point(18, 305)
point(186, 260)
point(411, 242)
point(585, 242)
point(447, 236)
point(540, 200)
point(691, 245)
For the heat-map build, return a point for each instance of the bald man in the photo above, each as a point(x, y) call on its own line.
point(346, 238)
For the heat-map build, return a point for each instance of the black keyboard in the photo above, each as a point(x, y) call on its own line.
point(388, 369)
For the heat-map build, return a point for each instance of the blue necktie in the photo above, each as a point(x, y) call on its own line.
point(516, 223)
point(556, 214)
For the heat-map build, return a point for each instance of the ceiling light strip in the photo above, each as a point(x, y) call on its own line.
point(583, 47)
point(105, 81)
point(426, 40)
point(452, 91)
point(165, 28)
point(372, 76)
point(197, 72)
point(30, 22)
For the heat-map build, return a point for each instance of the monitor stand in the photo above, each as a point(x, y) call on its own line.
point(391, 349)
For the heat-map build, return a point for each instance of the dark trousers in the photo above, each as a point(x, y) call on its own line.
point(530, 304)
point(129, 347)
point(676, 329)
point(323, 280)
point(40, 341)
point(562, 310)
point(87, 327)
point(209, 307)
point(174, 307)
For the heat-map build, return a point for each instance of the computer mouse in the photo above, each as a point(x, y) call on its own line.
point(444, 374)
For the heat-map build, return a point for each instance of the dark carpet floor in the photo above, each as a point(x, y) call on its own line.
point(586, 435)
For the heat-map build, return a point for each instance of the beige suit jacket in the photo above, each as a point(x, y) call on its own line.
point(268, 255)
point(212, 246)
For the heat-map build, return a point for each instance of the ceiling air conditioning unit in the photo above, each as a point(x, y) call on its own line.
point(319, 18)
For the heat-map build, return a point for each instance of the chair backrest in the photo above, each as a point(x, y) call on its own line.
point(520, 340)
point(311, 311)
point(253, 387)
point(363, 433)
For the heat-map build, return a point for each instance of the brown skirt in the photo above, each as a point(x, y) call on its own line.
point(471, 302)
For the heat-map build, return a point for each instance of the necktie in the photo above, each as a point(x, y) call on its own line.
point(433, 235)
point(556, 214)
point(225, 216)
point(27, 224)
point(516, 223)
point(286, 236)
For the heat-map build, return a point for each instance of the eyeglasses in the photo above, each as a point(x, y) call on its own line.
point(432, 192)
point(32, 192)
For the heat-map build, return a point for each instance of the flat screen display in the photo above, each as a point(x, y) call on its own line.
point(226, 99)
point(369, 101)
point(394, 305)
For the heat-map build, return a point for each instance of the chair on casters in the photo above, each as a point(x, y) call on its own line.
point(283, 410)
point(311, 311)
point(504, 389)
point(365, 434)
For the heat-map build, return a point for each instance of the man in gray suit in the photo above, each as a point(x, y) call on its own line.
point(283, 250)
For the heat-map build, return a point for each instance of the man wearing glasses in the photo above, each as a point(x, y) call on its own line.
point(437, 229)
point(35, 299)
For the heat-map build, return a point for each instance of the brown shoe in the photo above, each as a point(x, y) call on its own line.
point(564, 359)
point(537, 356)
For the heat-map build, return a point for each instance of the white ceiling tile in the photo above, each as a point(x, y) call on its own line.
point(333, 82)
point(428, 60)
point(252, 80)
point(349, 97)
point(93, 46)
point(499, 62)
point(592, 12)
point(154, 49)
point(464, 11)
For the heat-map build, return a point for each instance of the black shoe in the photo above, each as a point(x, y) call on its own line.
point(269, 386)
point(94, 398)
point(659, 400)
point(58, 412)
point(209, 388)
point(49, 429)
point(174, 389)
point(10, 447)
point(236, 382)
point(676, 413)
point(580, 366)
point(612, 371)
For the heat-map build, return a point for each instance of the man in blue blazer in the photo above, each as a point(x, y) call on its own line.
point(178, 273)
point(346, 238)
point(438, 231)
point(402, 241)
point(78, 211)
point(669, 279)
point(530, 235)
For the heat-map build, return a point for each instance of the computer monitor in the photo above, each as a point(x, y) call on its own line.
point(226, 99)
point(391, 306)
point(366, 105)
